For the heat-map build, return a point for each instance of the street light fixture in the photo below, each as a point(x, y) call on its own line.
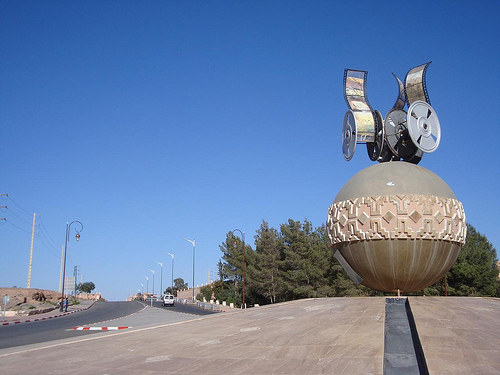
point(161, 277)
point(142, 286)
point(193, 242)
point(77, 237)
point(172, 255)
point(243, 305)
point(147, 284)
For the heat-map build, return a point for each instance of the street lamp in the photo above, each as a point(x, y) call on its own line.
point(243, 238)
point(142, 286)
point(172, 255)
point(152, 294)
point(192, 243)
point(147, 284)
point(77, 237)
point(161, 277)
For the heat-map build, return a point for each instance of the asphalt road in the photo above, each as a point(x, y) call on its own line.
point(187, 309)
point(62, 327)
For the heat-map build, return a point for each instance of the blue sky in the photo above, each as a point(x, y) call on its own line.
point(155, 121)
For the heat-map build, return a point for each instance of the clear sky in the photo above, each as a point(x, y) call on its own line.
point(155, 121)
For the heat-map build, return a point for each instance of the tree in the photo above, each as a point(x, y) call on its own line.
point(179, 284)
point(475, 271)
point(231, 268)
point(265, 279)
point(86, 287)
point(205, 292)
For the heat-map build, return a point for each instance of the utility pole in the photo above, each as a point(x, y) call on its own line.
point(61, 272)
point(31, 250)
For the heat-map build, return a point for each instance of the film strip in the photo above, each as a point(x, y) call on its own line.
point(415, 85)
point(360, 120)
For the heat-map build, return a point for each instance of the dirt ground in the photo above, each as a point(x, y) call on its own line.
point(22, 299)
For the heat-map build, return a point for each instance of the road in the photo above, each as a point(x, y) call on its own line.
point(187, 309)
point(62, 327)
point(116, 313)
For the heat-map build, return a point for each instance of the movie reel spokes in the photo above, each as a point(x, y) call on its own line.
point(423, 126)
point(349, 135)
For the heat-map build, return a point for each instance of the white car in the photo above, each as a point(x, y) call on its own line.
point(168, 300)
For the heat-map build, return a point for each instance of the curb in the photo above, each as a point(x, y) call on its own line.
point(47, 317)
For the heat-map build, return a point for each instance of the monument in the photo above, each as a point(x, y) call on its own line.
point(394, 226)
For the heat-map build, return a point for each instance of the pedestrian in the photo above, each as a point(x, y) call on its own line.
point(66, 304)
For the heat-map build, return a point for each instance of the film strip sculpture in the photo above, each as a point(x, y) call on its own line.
point(402, 135)
point(361, 124)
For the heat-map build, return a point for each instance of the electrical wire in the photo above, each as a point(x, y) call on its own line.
point(22, 230)
point(47, 247)
point(46, 231)
point(20, 218)
point(13, 201)
point(40, 234)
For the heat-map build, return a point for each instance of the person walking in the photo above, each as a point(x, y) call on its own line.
point(66, 304)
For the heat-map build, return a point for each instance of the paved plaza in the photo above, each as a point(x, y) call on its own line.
point(316, 336)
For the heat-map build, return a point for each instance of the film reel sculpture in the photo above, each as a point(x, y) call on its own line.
point(394, 226)
point(401, 135)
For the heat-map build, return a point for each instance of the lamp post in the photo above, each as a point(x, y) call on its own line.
point(147, 284)
point(77, 237)
point(152, 294)
point(161, 277)
point(172, 255)
point(142, 286)
point(193, 242)
point(243, 305)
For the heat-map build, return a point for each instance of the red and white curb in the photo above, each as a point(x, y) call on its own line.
point(99, 328)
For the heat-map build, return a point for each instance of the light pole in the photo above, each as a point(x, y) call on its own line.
point(152, 294)
point(161, 277)
point(142, 286)
point(147, 284)
point(77, 237)
point(172, 255)
point(243, 305)
point(193, 242)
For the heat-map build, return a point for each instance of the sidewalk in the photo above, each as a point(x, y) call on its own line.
point(83, 305)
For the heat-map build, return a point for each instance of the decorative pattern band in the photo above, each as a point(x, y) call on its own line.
point(409, 216)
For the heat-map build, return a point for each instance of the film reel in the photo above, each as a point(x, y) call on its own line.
point(417, 157)
point(349, 135)
point(375, 148)
point(397, 135)
point(423, 125)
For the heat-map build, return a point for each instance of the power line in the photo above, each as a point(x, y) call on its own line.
point(22, 230)
point(46, 231)
point(13, 201)
point(46, 239)
point(44, 244)
point(13, 213)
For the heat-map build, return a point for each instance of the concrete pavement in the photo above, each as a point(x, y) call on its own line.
point(318, 336)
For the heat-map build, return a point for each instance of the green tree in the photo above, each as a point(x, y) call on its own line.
point(231, 269)
point(205, 292)
point(306, 260)
point(179, 284)
point(265, 279)
point(474, 272)
point(86, 287)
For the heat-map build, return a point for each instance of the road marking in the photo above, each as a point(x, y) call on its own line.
point(123, 332)
point(99, 328)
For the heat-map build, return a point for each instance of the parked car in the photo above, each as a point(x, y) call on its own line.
point(168, 300)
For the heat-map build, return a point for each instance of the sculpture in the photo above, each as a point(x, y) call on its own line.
point(394, 226)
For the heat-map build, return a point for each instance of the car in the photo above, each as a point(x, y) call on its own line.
point(168, 300)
